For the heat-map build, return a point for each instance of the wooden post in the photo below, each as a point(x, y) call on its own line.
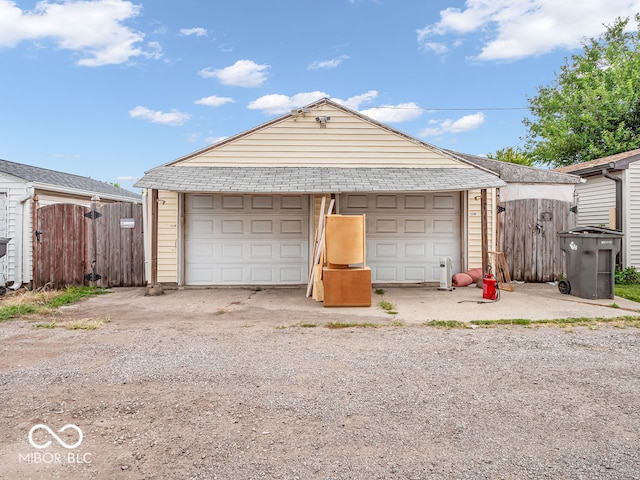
point(154, 237)
point(484, 229)
point(34, 225)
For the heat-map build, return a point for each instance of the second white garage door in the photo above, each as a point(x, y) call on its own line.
point(408, 233)
point(246, 239)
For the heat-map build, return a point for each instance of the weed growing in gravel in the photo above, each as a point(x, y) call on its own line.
point(446, 324)
point(84, 324)
point(45, 325)
point(308, 325)
point(623, 321)
point(337, 325)
point(379, 291)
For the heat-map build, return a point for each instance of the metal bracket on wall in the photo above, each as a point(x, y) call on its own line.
point(501, 209)
point(574, 209)
point(92, 277)
point(92, 215)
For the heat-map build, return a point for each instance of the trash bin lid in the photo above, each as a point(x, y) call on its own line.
point(4, 241)
point(586, 230)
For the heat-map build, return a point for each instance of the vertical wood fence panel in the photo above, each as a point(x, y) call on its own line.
point(73, 249)
point(528, 237)
point(61, 244)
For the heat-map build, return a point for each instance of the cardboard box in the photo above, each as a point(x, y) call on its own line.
point(347, 287)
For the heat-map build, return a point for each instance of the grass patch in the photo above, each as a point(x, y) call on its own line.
point(43, 302)
point(338, 325)
point(446, 324)
point(630, 292)
point(45, 325)
point(11, 311)
point(622, 321)
point(85, 324)
point(379, 291)
point(387, 307)
point(308, 325)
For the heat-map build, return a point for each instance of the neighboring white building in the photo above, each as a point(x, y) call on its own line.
point(610, 198)
point(19, 185)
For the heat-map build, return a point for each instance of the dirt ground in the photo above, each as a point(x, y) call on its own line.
point(207, 385)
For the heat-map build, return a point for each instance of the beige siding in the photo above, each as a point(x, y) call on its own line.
point(167, 237)
point(632, 237)
point(595, 198)
point(474, 226)
point(346, 141)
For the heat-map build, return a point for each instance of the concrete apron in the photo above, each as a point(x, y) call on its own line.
point(418, 304)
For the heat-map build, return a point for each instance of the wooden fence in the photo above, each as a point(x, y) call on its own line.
point(76, 245)
point(527, 234)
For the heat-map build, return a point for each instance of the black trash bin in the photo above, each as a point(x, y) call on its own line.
point(590, 254)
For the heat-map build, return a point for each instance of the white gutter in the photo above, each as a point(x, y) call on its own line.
point(17, 281)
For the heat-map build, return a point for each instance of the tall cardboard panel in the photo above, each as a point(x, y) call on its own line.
point(345, 239)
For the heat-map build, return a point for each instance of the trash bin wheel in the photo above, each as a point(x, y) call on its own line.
point(564, 286)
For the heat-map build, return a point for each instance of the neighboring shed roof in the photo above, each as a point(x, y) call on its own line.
point(619, 161)
point(45, 177)
point(514, 173)
point(315, 179)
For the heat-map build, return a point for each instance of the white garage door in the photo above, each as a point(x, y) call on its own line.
point(246, 239)
point(408, 233)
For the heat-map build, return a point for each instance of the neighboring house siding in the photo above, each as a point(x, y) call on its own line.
point(474, 226)
point(167, 236)
point(633, 216)
point(347, 141)
point(595, 199)
point(14, 191)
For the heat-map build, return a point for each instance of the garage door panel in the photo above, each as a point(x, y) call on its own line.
point(291, 226)
point(261, 227)
point(293, 251)
point(233, 239)
point(408, 233)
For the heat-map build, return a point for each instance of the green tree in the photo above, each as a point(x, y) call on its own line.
point(512, 155)
point(592, 110)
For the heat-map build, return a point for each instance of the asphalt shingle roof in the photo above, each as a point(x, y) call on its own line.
point(315, 179)
point(45, 176)
point(514, 173)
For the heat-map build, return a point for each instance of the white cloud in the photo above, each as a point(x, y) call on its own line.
point(94, 29)
point(356, 101)
point(515, 29)
point(403, 112)
point(172, 118)
point(243, 73)
point(197, 31)
point(333, 63)
point(276, 104)
point(463, 124)
point(214, 101)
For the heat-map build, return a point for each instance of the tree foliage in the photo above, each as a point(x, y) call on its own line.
point(512, 155)
point(592, 109)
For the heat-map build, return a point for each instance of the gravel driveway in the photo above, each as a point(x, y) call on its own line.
point(250, 393)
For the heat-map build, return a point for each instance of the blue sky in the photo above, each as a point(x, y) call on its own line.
point(111, 88)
